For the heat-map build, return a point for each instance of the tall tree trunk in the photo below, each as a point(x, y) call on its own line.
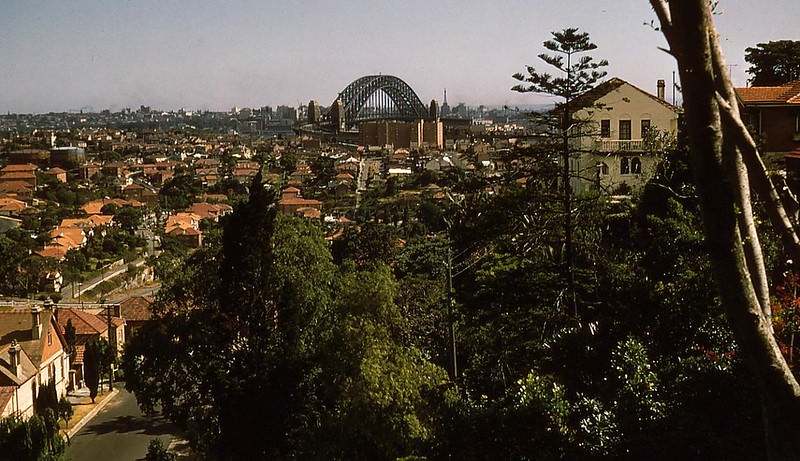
point(716, 147)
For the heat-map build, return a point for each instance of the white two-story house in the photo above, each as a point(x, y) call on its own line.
point(610, 128)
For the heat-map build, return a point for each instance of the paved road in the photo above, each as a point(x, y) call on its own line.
point(107, 274)
point(118, 433)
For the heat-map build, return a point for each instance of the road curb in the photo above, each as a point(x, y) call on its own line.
point(77, 427)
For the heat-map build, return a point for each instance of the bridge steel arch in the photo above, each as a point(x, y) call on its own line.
point(406, 103)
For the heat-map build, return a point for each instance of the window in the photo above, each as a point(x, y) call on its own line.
point(49, 338)
point(624, 129)
point(602, 169)
point(797, 123)
point(645, 128)
point(624, 166)
point(605, 128)
point(636, 165)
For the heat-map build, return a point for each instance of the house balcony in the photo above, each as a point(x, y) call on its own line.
point(619, 145)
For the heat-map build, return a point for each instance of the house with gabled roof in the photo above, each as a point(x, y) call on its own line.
point(186, 228)
point(612, 133)
point(89, 327)
point(57, 173)
point(293, 204)
point(11, 207)
point(772, 114)
point(95, 206)
point(212, 211)
point(20, 190)
point(136, 311)
point(33, 352)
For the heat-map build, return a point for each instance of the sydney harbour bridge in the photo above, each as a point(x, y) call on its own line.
point(368, 99)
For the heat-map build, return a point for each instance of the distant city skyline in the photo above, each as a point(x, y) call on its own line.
point(207, 55)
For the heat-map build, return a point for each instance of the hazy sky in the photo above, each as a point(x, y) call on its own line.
point(58, 55)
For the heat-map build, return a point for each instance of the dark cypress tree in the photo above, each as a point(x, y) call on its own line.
point(91, 368)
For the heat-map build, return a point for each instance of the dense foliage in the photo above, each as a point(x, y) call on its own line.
point(262, 348)
point(34, 439)
point(773, 63)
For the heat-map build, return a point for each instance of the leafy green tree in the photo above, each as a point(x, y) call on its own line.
point(381, 393)
point(12, 254)
point(128, 218)
point(65, 410)
point(179, 192)
point(371, 244)
point(109, 209)
point(421, 272)
point(773, 63)
point(157, 452)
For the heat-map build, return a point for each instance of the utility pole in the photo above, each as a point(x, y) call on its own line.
point(450, 312)
point(112, 344)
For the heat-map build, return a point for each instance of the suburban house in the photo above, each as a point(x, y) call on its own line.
point(95, 206)
point(212, 211)
point(612, 124)
point(57, 173)
point(293, 204)
point(772, 114)
point(33, 352)
point(11, 207)
point(136, 311)
point(89, 327)
point(24, 173)
point(185, 227)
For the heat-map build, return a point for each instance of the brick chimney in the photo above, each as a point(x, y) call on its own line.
point(36, 325)
point(661, 86)
point(13, 353)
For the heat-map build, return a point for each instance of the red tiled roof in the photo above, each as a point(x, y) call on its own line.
point(784, 94)
point(84, 322)
point(23, 167)
point(11, 205)
point(54, 252)
point(137, 308)
point(15, 186)
point(299, 201)
point(17, 175)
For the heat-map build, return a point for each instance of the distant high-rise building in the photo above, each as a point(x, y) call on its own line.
point(337, 115)
point(314, 112)
point(286, 113)
point(445, 106)
point(433, 111)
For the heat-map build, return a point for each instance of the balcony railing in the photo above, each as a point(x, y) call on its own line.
point(616, 145)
